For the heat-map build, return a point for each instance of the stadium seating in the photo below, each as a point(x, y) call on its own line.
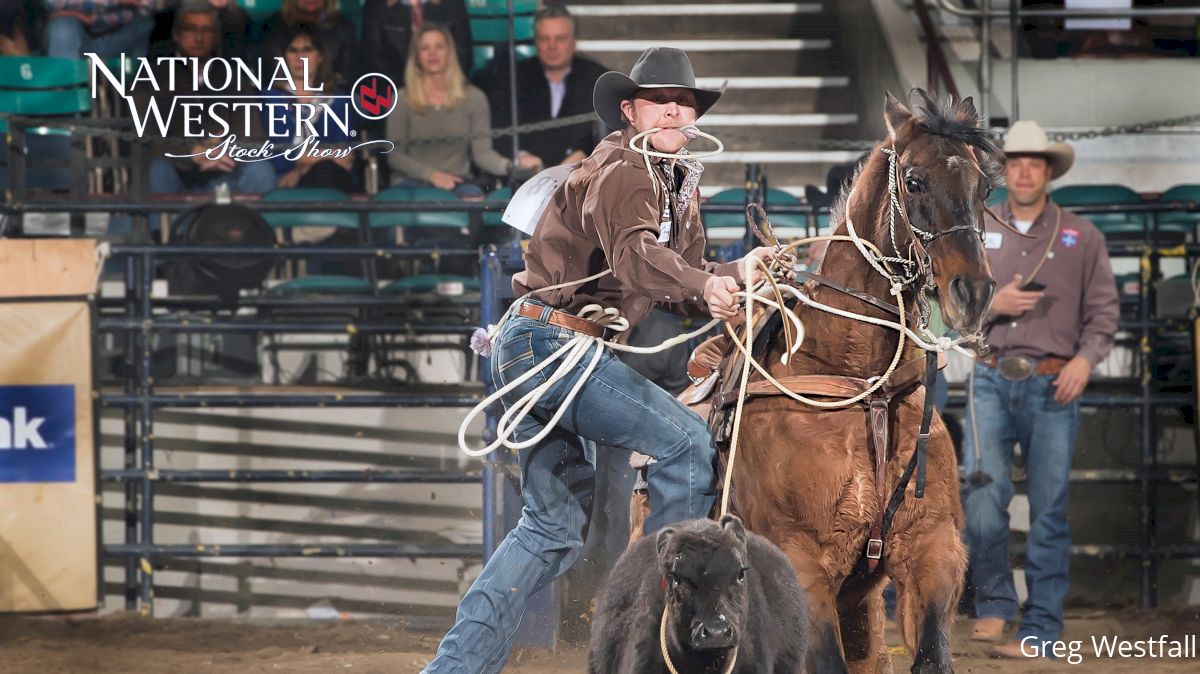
point(287, 221)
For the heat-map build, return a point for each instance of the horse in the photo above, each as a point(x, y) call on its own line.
point(834, 488)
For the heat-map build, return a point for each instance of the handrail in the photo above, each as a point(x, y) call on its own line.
point(937, 68)
point(1080, 13)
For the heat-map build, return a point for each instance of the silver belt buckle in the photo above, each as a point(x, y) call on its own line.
point(1016, 368)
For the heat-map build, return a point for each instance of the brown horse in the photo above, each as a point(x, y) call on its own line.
point(806, 478)
point(815, 482)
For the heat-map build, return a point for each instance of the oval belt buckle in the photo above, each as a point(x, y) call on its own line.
point(1016, 368)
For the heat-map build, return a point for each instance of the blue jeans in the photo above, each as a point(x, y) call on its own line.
point(616, 406)
point(67, 37)
point(1007, 413)
point(247, 178)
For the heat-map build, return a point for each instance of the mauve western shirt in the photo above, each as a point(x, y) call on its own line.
point(1077, 315)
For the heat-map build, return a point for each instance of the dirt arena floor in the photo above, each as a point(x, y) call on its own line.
point(123, 644)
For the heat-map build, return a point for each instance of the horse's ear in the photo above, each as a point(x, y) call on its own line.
point(966, 109)
point(733, 524)
point(662, 538)
point(895, 114)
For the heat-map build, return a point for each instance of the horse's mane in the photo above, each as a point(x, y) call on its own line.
point(950, 120)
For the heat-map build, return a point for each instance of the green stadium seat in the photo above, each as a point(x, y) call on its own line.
point(260, 9)
point(43, 86)
point(42, 72)
point(492, 218)
point(290, 219)
point(1184, 219)
point(725, 226)
point(1120, 224)
point(448, 219)
point(484, 53)
point(322, 284)
point(319, 284)
point(997, 197)
point(496, 30)
point(426, 284)
point(500, 7)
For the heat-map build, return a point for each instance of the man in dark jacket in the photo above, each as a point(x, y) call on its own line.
point(387, 30)
point(556, 83)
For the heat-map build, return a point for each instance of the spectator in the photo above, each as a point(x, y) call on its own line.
point(14, 28)
point(235, 31)
point(195, 36)
point(107, 28)
point(437, 102)
point(287, 132)
point(1046, 339)
point(388, 27)
point(337, 32)
point(555, 83)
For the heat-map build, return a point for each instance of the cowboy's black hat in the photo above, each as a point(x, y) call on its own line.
point(656, 68)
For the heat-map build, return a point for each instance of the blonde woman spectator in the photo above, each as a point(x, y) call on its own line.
point(437, 102)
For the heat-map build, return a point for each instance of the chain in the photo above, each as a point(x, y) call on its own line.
point(849, 145)
point(1126, 129)
point(120, 134)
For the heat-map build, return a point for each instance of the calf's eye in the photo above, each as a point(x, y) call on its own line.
point(914, 186)
point(741, 576)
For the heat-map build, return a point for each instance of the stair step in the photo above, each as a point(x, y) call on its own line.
point(693, 8)
point(784, 157)
point(802, 119)
point(772, 83)
point(743, 28)
point(795, 175)
point(700, 46)
point(779, 64)
point(650, 22)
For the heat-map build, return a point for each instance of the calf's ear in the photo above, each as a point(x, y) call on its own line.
point(663, 538)
point(733, 524)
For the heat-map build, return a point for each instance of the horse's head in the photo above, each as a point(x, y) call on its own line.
point(945, 168)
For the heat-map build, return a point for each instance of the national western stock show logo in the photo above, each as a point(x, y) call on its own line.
point(224, 103)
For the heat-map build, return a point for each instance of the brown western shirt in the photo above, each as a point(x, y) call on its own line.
point(609, 213)
point(1077, 315)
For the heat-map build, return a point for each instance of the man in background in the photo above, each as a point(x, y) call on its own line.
point(555, 83)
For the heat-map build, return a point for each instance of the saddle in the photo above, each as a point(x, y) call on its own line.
point(715, 399)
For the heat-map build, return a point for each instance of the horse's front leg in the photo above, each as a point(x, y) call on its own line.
point(860, 608)
point(821, 590)
point(928, 573)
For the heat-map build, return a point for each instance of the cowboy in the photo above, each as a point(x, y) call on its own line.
point(638, 218)
point(1052, 321)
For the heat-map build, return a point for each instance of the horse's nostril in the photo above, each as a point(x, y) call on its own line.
point(960, 289)
point(989, 290)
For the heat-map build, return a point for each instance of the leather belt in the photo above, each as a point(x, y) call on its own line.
point(561, 319)
point(1017, 368)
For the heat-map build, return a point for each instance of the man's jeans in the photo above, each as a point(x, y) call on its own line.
point(67, 37)
point(1007, 413)
point(253, 177)
point(616, 406)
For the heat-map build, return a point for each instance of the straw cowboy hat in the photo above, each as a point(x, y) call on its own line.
point(656, 68)
point(1026, 137)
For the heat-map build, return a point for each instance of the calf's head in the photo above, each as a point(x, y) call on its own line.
point(704, 568)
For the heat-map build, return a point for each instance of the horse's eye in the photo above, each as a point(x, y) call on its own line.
point(741, 576)
point(913, 186)
point(675, 581)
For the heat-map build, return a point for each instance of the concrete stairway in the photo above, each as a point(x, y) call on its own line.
point(787, 78)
